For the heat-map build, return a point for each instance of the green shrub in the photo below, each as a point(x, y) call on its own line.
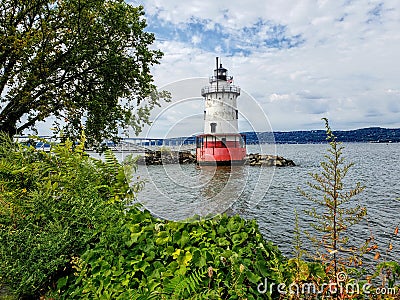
point(52, 208)
point(222, 258)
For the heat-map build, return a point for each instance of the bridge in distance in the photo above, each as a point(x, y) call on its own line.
point(133, 145)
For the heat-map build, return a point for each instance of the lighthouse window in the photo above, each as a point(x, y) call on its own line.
point(204, 115)
point(237, 114)
point(213, 127)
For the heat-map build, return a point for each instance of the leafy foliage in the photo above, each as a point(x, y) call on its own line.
point(86, 62)
point(53, 206)
point(222, 258)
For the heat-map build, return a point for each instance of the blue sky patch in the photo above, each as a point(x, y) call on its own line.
point(375, 14)
point(216, 37)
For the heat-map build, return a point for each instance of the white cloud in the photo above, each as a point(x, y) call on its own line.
point(196, 39)
point(392, 92)
point(278, 97)
point(301, 60)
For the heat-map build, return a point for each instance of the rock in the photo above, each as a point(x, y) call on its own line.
point(165, 157)
point(268, 160)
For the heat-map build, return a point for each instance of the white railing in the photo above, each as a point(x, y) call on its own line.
point(221, 89)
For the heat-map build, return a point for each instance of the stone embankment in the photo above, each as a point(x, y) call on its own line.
point(256, 159)
point(164, 157)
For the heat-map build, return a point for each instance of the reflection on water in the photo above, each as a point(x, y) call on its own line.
point(178, 192)
point(215, 179)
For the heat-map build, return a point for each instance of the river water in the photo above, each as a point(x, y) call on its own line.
point(271, 196)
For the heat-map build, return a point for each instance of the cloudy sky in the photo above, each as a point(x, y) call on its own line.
point(296, 60)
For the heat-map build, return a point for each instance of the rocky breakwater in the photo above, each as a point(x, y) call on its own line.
point(164, 157)
point(256, 159)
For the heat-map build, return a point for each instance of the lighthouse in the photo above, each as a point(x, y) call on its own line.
point(220, 143)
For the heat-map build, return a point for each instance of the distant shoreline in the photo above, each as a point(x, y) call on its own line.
point(364, 135)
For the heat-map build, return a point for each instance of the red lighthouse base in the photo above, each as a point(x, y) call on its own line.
point(220, 149)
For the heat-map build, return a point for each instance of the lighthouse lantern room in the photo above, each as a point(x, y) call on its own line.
point(221, 143)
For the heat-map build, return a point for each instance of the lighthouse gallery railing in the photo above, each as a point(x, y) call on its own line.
point(221, 89)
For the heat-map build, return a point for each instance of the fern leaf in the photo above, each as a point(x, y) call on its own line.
point(111, 162)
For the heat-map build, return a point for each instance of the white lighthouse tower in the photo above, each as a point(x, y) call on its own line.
point(221, 142)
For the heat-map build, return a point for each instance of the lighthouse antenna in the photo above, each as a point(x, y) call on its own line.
point(216, 59)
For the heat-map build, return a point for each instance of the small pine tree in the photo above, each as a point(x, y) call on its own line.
point(334, 213)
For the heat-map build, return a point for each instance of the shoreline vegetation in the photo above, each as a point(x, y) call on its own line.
point(66, 233)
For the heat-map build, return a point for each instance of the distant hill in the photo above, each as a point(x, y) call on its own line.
point(372, 134)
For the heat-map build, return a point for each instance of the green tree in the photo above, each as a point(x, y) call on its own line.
point(335, 212)
point(85, 62)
